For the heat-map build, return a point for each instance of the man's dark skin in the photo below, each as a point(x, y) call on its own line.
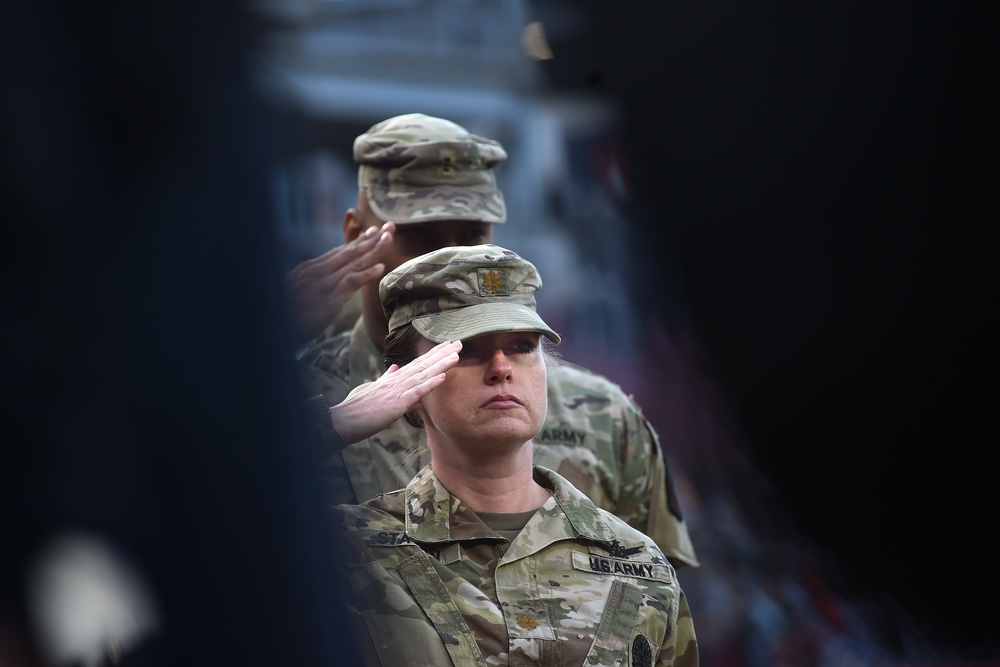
point(409, 241)
point(321, 287)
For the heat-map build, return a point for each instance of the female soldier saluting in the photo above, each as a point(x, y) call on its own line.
point(484, 559)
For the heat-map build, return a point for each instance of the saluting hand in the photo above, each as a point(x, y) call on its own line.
point(373, 406)
point(321, 286)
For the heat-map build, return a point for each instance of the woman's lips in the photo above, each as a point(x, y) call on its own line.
point(502, 401)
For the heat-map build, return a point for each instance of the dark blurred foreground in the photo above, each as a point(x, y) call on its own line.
point(156, 458)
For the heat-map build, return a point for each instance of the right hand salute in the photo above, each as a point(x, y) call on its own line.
point(372, 406)
point(320, 287)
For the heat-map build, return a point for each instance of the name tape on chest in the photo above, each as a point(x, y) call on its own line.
point(607, 565)
point(385, 538)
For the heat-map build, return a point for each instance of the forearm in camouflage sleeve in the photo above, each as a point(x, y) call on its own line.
point(337, 487)
point(326, 388)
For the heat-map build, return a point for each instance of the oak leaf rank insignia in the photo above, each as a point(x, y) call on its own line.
point(493, 282)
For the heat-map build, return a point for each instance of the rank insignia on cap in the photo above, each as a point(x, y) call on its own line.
point(492, 282)
point(447, 168)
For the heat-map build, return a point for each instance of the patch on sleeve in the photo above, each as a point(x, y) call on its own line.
point(673, 503)
point(641, 652)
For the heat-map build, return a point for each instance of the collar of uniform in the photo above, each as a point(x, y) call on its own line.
point(579, 510)
point(434, 515)
point(365, 357)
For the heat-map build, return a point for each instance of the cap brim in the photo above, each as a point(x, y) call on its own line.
point(437, 203)
point(480, 320)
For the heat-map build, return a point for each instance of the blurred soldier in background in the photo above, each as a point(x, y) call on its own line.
point(426, 183)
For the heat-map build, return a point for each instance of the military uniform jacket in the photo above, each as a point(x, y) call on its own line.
point(594, 435)
point(434, 585)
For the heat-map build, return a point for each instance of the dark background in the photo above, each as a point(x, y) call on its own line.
point(824, 176)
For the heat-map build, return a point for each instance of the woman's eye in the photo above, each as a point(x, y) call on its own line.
point(524, 346)
point(469, 351)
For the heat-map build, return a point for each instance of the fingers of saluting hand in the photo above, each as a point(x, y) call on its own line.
point(360, 252)
point(372, 406)
point(425, 373)
point(322, 286)
point(373, 239)
point(359, 261)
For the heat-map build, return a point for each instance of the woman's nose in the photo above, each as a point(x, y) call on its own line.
point(498, 368)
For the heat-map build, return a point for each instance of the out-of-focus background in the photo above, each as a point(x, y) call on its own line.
point(768, 223)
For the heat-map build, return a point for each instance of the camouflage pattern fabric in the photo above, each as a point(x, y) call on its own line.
point(463, 292)
point(418, 168)
point(434, 585)
point(594, 435)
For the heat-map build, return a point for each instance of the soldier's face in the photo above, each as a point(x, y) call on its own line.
point(415, 239)
point(494, 397)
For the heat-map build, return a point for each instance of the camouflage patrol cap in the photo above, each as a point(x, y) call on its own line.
point(418, 168)
point(463, 292)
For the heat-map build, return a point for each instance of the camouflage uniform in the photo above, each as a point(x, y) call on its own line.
point(434, 585)
point(416, 168)
point(594, 435)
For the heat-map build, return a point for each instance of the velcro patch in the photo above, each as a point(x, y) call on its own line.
point(622, 567)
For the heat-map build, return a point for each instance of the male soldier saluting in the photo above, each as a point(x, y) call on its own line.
point(426, 183)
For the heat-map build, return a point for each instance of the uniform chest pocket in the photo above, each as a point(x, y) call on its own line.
point(400, 631)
